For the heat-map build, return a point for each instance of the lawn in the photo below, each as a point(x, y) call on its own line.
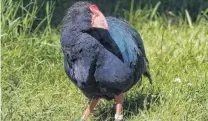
point(34, 85)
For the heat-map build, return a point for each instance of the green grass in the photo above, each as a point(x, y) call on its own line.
point(35, 86)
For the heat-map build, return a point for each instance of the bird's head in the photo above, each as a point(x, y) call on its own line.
point(86, 16)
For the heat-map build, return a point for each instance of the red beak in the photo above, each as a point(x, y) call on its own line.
point(98, 19)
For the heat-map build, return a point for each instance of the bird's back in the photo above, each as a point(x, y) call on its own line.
point(130, 44)
point(115, 73)
point(127, 39)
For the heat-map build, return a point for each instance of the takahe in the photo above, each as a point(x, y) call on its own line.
point(103, 56)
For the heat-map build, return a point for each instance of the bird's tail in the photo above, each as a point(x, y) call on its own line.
point(146, 71)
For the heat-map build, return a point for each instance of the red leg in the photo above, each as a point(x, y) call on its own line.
point(119, 107)
point(90, 108)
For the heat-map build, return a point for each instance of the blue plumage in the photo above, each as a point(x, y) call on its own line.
point(101, 63)
point(103, 57)
point(121, 36)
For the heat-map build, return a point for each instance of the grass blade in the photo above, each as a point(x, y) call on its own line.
point(189, 19)
point(153, 14)
point(131, 11)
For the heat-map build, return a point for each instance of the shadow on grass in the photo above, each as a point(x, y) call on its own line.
point(131, 106)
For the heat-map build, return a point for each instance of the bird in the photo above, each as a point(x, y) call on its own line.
point(103, 56)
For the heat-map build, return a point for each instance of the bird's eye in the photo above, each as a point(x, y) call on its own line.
point(89, 12)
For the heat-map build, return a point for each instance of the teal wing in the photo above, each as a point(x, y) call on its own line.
point(129, 43)
point(126, 38)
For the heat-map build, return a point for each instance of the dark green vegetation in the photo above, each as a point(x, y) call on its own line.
point(123, 8)
point(35, 86)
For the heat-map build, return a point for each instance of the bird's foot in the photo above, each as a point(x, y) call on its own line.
point(80, 119)
point(118, 117)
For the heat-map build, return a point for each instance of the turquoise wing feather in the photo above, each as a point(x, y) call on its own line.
point(125, 37)
point(129, 43)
